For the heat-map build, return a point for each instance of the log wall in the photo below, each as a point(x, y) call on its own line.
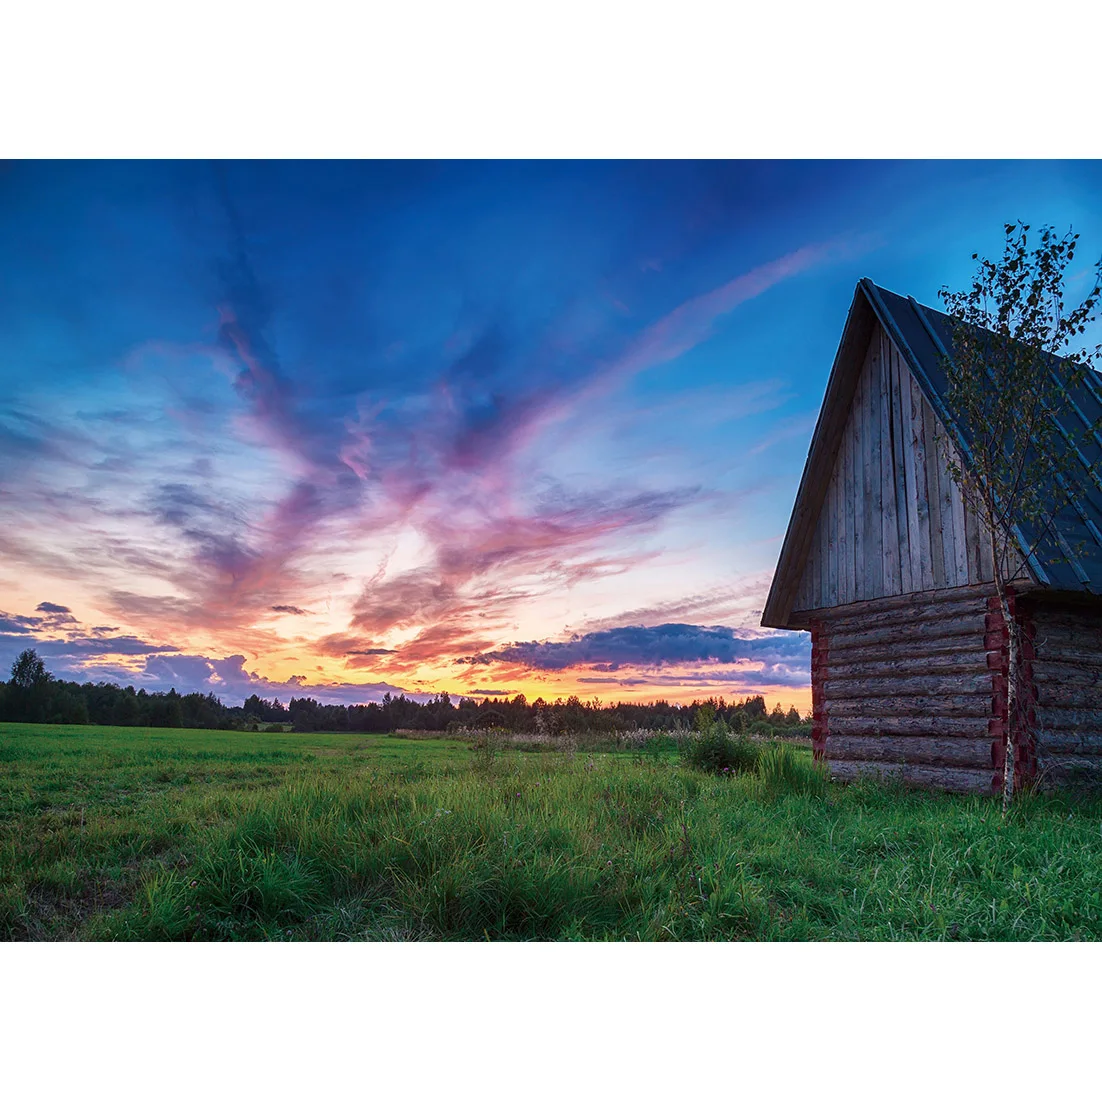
point(914, 687)
point(1067, 690)
point(906, 686)
point(892, 521)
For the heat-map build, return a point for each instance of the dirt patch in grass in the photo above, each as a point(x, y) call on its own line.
point(52, 914)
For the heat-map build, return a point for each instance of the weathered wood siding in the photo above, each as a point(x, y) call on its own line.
point(904, 686)
point(892, 520)
point(1067, 690)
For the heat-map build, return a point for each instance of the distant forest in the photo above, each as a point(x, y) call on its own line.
point(33, 695)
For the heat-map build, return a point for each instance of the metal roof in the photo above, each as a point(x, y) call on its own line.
point(1070, 559)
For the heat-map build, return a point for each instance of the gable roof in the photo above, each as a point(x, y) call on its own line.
point(1069, 560)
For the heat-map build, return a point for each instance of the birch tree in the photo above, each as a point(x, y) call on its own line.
point(1018, 355)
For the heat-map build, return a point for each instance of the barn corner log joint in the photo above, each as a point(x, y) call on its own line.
point(891, 573)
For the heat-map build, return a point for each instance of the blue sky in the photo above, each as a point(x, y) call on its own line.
point(342, 427)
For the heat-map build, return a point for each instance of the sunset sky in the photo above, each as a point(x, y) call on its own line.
point(338, 429)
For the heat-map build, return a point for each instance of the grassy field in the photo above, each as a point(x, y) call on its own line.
point(125, 833)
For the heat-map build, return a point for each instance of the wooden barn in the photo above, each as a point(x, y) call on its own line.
point(892, 576)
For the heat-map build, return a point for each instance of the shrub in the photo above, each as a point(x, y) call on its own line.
point(705, 718)
point(784, 771)
point(714, 751)
point(486, 748)
point(659, 744)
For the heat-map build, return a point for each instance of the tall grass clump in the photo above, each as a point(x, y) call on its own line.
point(784, 772)
point(713, 749)
point(487, 746)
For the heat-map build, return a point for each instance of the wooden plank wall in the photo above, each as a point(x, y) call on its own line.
point(1067, 679)
point(906, 689)
point(892, 521)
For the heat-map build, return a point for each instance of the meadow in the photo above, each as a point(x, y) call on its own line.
point(127, 833)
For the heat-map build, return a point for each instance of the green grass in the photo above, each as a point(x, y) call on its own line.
point(133, 834)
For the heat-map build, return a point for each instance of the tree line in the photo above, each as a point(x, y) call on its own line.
point(34, 695)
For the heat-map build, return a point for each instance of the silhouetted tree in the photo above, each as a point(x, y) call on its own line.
point(33, 695)
point(28, 689)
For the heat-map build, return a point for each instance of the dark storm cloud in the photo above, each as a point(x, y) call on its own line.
point(53, 618)
point(18, 625)
point(47, 606)
point(58, 635)
point(665, 645)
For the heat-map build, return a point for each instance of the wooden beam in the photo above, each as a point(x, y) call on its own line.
point(973, 624)
point(857, 458)
point(942, 578)
point(891, 550)
point(956, 647)
point(921, 491)
point(913, 750)
point(938, 726)
point(900, 662)
point(911, 601)
point(874, 495)
point(948, 778)
point(931, 686)
point(1070, 742)
point(968, 704)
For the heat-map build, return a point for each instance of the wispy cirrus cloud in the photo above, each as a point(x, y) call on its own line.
point(388, 519)
point(789, 428)
point(479, 574)
point(693, 322)
point(740, 604)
